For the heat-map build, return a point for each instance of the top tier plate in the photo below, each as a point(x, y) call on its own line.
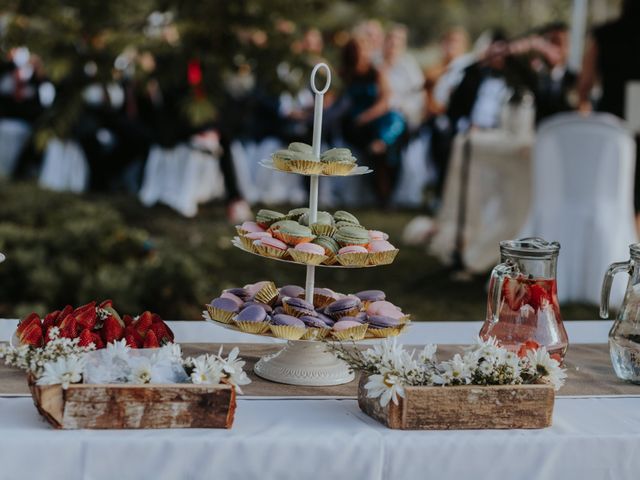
point(359, 170)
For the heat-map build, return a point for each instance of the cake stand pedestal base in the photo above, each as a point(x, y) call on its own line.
point(304, 363)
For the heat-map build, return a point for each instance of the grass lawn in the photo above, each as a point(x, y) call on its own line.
point(416, 281)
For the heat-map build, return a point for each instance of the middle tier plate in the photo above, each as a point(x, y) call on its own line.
point(238, 244)
point(358, 170)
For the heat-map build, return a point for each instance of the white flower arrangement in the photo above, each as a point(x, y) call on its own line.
point(61, 361)
point(390, 367)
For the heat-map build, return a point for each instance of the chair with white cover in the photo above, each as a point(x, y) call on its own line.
point(583, 179)
point(13, 137)
point(64, 167)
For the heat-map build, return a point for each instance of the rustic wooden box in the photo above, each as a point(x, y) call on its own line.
point(136, 406)
point(464, 407)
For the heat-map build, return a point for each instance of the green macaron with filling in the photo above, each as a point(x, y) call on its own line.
point(351, 235)
point(265, 217)
point(342, 216)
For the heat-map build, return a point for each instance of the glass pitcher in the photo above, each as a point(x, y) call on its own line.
point(624, 337)
point(523, 298)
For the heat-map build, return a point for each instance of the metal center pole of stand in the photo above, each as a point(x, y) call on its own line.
point(313, 184)
point(458, 254)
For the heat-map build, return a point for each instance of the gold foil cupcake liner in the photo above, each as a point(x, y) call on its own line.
point(383, 258)
point(270, 251)
point(292, 239)
point(347, 313)
point(307, 167)
point(293, 312)
point(241, 231)
point(288, 332)
point(306, 258)
point(319, 229)
point(268, 294)
point(353, 259)
point(385, 332)
point(331, 260)
point(406, 319)
point(353, 333)
point(247, 243)
point(252, 327)
point(338, 168)
point(321, 301)
point(280, 163)
point(313, 333)
point(219, 315)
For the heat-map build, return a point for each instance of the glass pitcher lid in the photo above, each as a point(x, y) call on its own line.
point(530, 247)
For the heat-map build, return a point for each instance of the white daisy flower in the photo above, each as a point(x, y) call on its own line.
point(386, 386)
point(141, 370)
point(456, 371)
point(428, 353)
point(232, 366)
point(117, 349)
point(206, 371)
point(546, 367)
point(64, 371)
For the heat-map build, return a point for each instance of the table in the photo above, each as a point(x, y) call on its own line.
point(592, 437)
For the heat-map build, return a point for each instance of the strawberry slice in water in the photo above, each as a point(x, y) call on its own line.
point(515, 292)
point(538, 296)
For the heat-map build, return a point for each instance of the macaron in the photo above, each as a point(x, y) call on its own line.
point(325, 318)
point(311, 248)
point(348, 306)
point(272, 242)
point(225, 304)
point(294, 291)
point(232, 297)
point(350, 235)
point(293, 233)
point(300, 147)
point(352, 249)
point(382, 321)
point(344, 325)
point(359, 319)
point(380, 246)
point(283, 155)
point(330, 246)
point(282, 223)
point(323, 218)
point(252, 313)
point(337, 155)
point(241, 293)
point(378, 235)
point(343, 216)
point(257, 235)
point(314, 322)
point(264, 218)
point(287, 320)
point(250, 303)
point(296, 213)
point(251, 227)
point(382, 308)
point(371, 296)
point(298, 307)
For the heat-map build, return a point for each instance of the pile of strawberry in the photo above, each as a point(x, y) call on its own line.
point(95, 323)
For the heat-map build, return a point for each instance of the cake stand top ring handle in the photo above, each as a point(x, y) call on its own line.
point(313, 79)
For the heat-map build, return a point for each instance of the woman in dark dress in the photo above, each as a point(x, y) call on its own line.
point(370, 125)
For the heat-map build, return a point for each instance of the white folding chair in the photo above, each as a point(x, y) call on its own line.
point(64, 167)
point(583, 177)
point(13, 136)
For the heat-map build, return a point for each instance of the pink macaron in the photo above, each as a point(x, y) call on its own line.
point(341, 325)
point(257, 235)
point(233, 297)
point(382, 307)
point(251, 227)
point(352, 249)
point(273, 243)
point(310, 248)
point(380, 246)
point(377, 235)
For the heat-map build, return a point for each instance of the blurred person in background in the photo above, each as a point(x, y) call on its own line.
point(371, 32)
point(612, 58)
point(370, 125)
point(405, 77)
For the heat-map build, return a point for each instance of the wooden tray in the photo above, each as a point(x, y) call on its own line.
point(464, 407)
point(121, 406)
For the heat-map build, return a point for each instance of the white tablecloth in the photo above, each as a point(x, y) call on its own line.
point(591, 438)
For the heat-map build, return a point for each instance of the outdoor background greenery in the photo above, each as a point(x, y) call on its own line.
point(63, 248)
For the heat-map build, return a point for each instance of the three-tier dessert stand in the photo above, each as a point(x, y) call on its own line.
point(307, 362)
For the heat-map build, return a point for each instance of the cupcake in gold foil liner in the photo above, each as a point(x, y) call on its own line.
point(252, 327)
point(338, 168)
point(280, 163)
point(270, 251)
point(268, 294)
point(307, 167)
point(353, 333)
point(321, 229)
point(288, 332)
point(313, 333)
point(306, 258)
point(385, 332)
point(347, 313)
point(353, 259)
point(219, 315)
point(293, 239)
point(383, 258)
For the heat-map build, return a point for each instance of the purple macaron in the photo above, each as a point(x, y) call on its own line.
point(325, 318)
point(381, 321)
point(298, 307)
point(253, 313)
point(315, 322)
point(225, 304)
point(266, 307)
point(287, 320)
point(293, 291)
point(344, 307)
point(371, 295)
point(241, 293)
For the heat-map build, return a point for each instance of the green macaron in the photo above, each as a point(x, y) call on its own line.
point(283, 155)
point(351, 235)
point(265, 218)
point(324, 218)
point(293, 229)
point(330, 246)
point(342, 216)
point(301, 147)
point(337, 155)
point(296, 213)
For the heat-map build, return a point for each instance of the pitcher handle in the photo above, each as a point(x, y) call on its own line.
point(608, 281)
point(500, 271)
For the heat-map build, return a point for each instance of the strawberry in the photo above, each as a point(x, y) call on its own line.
point(88, 306)
point(128, 320)
point(150, 340)
point(131, 342)
point(529, 345)
point(69, 327)
point(106, 303)
point(162, 332)
point(63, 314)
point(143, 323)
point(50, 320)
point(111, 330)
point(515, 293)
point(27, 322)
point(87, 337)
point(132, 333)
point(32, 335)
point(155, 318)
point(87, 317)
point(538, 295)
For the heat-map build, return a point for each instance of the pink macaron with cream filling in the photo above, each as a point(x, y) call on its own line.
point(310, 248)
point(382, 307)
point(257, 235)
point(273, 243)
point(251, 227)
point(341, 325)
point(352, 249)
point(380, 246)
point(378, 235)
